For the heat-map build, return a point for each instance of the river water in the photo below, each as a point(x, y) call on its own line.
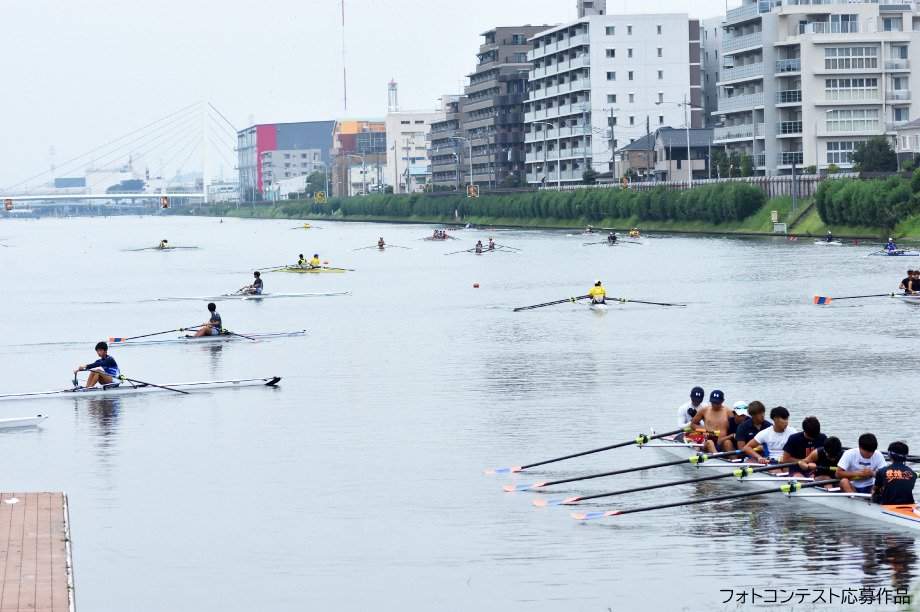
point(357, 484)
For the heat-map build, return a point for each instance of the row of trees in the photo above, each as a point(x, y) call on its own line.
point(876, 203)
point(724, 202)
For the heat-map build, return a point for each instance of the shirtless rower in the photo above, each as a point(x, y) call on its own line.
point(715, 416)
point(381, 244)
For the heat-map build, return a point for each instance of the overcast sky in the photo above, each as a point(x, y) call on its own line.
point(76, 75)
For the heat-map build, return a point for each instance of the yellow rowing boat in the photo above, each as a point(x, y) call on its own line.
point(299, 270)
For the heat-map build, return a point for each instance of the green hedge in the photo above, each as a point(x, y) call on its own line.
point(723, 202)
point(873, 203)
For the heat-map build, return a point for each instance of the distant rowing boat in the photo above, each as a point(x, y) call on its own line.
point(22, 422)
point(172, 248)
point(825, 242)
point(299, 270)
point(895, 254)
point(129, 388)
point(241, 296)
point(209, 339)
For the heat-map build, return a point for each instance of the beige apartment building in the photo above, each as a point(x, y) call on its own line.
point(803, 80)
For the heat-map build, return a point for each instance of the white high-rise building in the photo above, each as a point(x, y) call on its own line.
point(803, 80)
point(601, 82)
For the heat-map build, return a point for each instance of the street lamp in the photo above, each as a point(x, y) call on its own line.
point(469, 142)
point(685, 104)
point(818, 159)
point(558, 172)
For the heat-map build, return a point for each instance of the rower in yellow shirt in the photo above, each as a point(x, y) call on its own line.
point(302, 261)
point(597, 293)
point(314, 263)
point(164, 244)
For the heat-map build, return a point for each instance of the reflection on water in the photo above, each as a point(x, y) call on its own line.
point(103, 413)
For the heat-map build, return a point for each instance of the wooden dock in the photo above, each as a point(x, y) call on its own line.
point(36, 571)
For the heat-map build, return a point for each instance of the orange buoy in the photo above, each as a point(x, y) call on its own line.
point(476, 285)
point(325, 263)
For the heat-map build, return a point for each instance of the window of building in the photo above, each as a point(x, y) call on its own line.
point(660, 51)
point(707, 77)
point(660, 119)
point(851, 89)
point(629, 52)
point(659, 29)
point(717, 76)
point(611, 52)
point(630, 75)
point(899, 52)
point(661, 75)
point(891, 25)
point(632, 120)
point(632, 98)
point(611, 30)
point(405, 122)
point(900, 114)
point(611, 76)
point(612, 120)
point(520, 58)
point(287, 174)
point(850, 58)
point(304, 165)
point(660, 97)
point(287, 156)
point(899, 83)
point(420, 122)
point(518, 39)
point(715, 32)
point(841, 152)
point(629, 30)
point(611, 98)
point(857, 120)
point(287, 165)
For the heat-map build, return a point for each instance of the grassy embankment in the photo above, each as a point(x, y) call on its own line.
point(760, 222)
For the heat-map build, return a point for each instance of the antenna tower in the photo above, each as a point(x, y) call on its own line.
point(344, 74)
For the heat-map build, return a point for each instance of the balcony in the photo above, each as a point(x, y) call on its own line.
point(740, 102)
point(898, 64)
point(788, 127)
point(836, 27)
point(898, 95)
point(741, 13)
point(788, 158)
point(790, 96)
point(789, 65)
point(761, 130)
point(743, 72)
point(733, 132)
point(742, 42)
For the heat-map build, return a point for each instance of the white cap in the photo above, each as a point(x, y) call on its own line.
point(597, 282)
point(742, 405)
point(890, 239)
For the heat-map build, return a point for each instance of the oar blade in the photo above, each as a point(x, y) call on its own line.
point(511, 470)
point(512, 488)
point(590, 516)
point(555, 502)
point(820, 301)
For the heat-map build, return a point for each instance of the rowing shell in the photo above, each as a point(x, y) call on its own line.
point(298, 270)
point(22, 422)
point(599, 307)
point(210, 339)
point(129, 388)
point(852, 503)
point(240, 296)
point(172, 248)
point(895, 254)
point(825, 242)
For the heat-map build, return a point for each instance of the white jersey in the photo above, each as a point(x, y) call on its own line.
point(853, 461)
point(773, 442)
point(684, 418)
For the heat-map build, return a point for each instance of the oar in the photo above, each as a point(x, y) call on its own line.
point(396, 246)
point(746, 470)
point(181, 329)
point(362, 248)
point(502, 246)
point(792, 487)
point(456, 252)
point(227, 331)
point(140, 382)
point(274, 267)
point(698, 459)
point(639, 440)
point(624, 300)
point(571, 299)
point(819, 301)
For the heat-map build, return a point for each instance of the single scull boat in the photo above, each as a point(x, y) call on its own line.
point(129, 388)
point(246, 296)
point(22, 422)
point(208, 339)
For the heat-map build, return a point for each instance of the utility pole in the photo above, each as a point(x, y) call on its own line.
point(408, 165)
point(584, 138)
point(709, 159)
point(613, 143)
point(689, 161)
point(648, 149)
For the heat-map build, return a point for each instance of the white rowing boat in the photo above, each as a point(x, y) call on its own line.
point(22, 422)
point(129, 388)
point(241, 296)
point(826, 243)
point(852, 503)
point(207, 339)
point(599, 307)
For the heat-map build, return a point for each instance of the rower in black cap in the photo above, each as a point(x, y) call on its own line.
point(687, 411)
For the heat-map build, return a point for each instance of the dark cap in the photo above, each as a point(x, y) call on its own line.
point(697, 394)
point(717, 396)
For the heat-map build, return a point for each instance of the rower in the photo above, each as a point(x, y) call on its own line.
point(687, 411)
point(715, 416)
point(915, 282)
point(894, 483)
point(479, 247)
point(256, 287)
point(829, 237)
point(214, 325)
point(491, 244)
point(860, 463)
point(612, 238)
point(771, 441)
point(381, 244)
point(109, 369)
point(751, 427)
point(598, 294)
point(589, 229)
point(800, 445)
point(823, 461)
point(301, 261)
point(891, 246)
point(634, 232)
point(726, 439)
point(905, 284)
point(314, 263)
point(164, 244)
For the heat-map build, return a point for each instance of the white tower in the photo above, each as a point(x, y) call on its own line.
point(392, 97)
point(591, 7)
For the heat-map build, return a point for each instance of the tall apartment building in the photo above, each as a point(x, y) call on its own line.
point(803, 82)
point(711, 35)
point(490, 116)
point(447, 161)
point(291, 138)
point(591, 7)
point(600, 82)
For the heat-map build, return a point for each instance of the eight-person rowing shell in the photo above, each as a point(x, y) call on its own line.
point(106, 372)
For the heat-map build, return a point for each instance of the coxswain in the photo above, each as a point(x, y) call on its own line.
point(164, 244)
point(256, 287)
point(301, 261)
point(823, 461)
point(314, 263)
point(598, 294)
point(771, 442)
point(894, 483)
point(715, 416)
point(107, 371)
point(612, 238)
point(479, 247)
point(859, 465)
point(214, 325)
point(891, 246)
point(905, 284)
point(381, 244)
point(491, 244)
point(829, 237)
point(687, 411)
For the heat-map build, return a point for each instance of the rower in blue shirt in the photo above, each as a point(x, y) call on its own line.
point(829, 237)
point(107, 371)
point(891, 246)
point(256, 287)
